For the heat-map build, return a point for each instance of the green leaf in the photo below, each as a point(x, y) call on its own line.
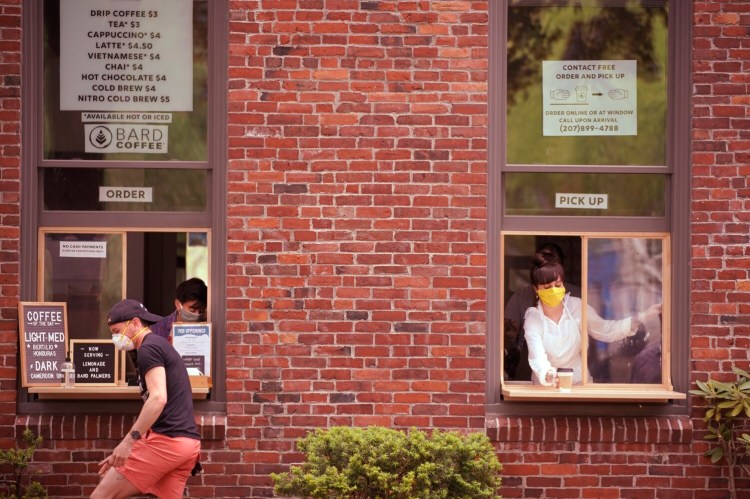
point(715, 454)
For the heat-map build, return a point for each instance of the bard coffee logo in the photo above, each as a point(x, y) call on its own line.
point(100, 137)
point(126, 137)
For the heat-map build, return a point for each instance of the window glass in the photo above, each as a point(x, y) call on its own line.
point(146, 95)
point(585, 194)
point(85, 270)
point(92, 271)
point(126, 189)
point(625, 277)
point(586, 84)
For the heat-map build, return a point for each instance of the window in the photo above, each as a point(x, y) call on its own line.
point(588, 155)
point(124, 193)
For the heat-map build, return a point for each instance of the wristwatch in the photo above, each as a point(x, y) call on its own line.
point(135, 435)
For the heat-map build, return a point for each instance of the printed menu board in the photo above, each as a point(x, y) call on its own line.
point(43, 329)
point(193, 342)
point(126, 55)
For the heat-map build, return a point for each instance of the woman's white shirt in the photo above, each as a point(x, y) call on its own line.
point(554, 345)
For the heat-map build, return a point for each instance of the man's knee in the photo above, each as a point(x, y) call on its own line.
point(114, 486)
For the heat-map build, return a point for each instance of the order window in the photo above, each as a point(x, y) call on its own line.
point(124, 161)
point(617, 292)
point(587, 158)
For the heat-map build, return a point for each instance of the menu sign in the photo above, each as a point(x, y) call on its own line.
point(95, 361)
point(126, 55)
point(193, 342)
point(43, 332)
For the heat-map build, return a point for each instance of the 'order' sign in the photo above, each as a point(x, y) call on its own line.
point(125, 194)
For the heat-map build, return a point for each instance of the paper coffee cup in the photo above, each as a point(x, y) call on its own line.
point(565, 379)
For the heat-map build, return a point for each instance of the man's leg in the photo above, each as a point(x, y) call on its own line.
point(114, 486)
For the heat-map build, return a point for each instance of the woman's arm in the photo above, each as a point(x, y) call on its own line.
point(533, 329)
point(613, 330)
point(608, 330)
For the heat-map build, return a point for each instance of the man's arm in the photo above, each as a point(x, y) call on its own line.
point(156, 381)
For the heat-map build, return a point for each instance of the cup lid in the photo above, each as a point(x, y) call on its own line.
point(564, 370)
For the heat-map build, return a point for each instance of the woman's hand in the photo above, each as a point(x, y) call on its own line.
point(650, 313)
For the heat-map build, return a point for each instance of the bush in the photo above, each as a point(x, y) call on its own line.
point(726, 420)
point(19, 461)
point(375, 462)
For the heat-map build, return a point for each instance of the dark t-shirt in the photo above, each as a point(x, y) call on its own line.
point(177, 419)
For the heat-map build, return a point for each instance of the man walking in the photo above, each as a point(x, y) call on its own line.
point(158, 453)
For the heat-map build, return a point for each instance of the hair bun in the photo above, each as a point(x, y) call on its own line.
point(545, 257)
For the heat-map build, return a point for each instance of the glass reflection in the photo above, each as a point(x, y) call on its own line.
point(586, 31)
point(632, 195)
point(84, 271)
point(78, 189)
point(64, 131)
point(624, 280)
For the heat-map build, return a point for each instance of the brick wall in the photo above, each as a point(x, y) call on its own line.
point(356, 253)
point(357, 184)
point(10, 162)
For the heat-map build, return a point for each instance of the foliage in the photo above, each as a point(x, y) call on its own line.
point(376, 462)
point(19, 461)
point(726, 416)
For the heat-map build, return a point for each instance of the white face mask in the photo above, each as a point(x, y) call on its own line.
point(122, 342)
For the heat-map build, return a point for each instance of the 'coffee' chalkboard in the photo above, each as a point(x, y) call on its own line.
point(96, 362)
point(43, 336)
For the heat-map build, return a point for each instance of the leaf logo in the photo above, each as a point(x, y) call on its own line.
point(100, 137)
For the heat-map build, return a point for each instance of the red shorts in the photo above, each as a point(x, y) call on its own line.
point(160, 465)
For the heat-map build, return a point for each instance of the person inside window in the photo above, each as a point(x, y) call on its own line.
point(190, 306)
point(552, 328)
point(516, 351)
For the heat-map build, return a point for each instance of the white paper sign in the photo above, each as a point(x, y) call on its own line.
point(126, 55)
point(589, 98)
point(584, 201)
point(193, 342)
point(83, 249)
point(132, 117)
point(125, 194)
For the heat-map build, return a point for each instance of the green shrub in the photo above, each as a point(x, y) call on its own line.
point(726, 417)
point(19, 461)
point(375, 462)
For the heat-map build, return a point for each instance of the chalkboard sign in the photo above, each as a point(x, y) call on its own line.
point(96, 362)
point(43, 328)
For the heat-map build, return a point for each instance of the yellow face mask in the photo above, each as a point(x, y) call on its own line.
point(551, 297)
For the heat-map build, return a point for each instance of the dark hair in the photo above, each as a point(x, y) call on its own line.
point(546, 267)
point(555, 249)
point(192, 289)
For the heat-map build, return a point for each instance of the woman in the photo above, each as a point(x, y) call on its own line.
point(553, 326)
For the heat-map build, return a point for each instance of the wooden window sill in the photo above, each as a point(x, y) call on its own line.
point(597, 393)
point(100, 392)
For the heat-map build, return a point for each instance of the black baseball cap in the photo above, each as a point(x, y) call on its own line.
point(127, 309)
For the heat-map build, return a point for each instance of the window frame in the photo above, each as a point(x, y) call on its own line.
point(614, 392)
point(676, 221)
point(34, 218)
